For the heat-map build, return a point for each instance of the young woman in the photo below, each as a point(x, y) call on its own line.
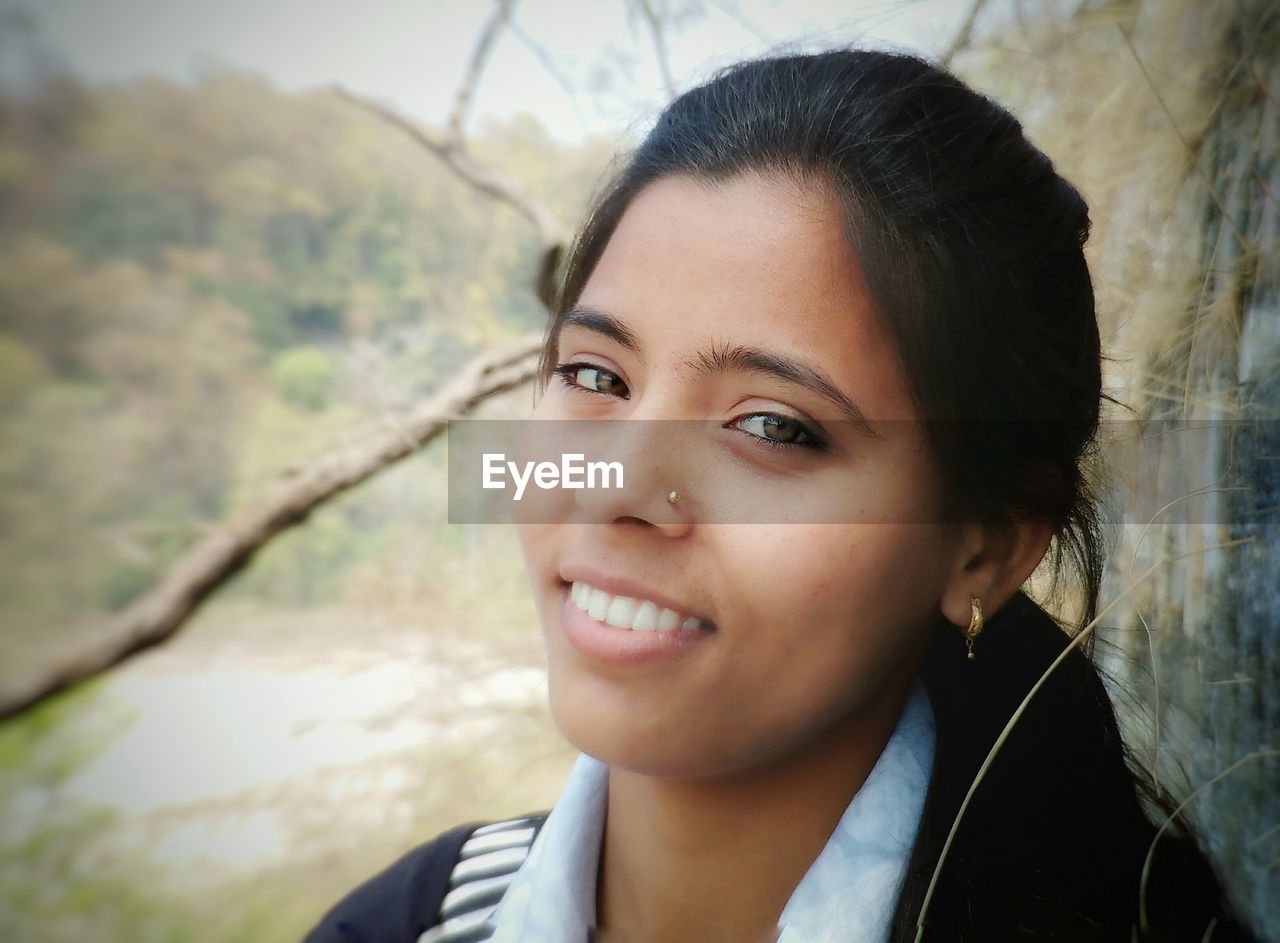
point(874, 284)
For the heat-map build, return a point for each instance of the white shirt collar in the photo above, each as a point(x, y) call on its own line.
point(848, 893)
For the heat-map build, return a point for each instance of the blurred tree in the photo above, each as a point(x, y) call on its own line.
point(199, 248)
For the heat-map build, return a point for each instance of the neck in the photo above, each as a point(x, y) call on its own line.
point(676, 851)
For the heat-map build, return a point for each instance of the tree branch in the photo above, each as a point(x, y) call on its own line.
point(551, 234)
point(548, 63)
point(659, 44)
point(156, 616)
point(965, 36)
point(479, 55)
point(451, 149)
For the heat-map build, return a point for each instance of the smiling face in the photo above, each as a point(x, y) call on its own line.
point(738, 301)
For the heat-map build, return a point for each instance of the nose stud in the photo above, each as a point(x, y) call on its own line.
point(673, 497)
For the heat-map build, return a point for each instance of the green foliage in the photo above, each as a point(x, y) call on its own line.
point(304, 567)
point(305, 377)
point(124, 582)
point(54, 740)
point(185, 271)
point(21, 370)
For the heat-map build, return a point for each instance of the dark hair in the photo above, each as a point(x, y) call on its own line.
point(971, 246)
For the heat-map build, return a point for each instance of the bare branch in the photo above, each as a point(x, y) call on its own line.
point(654, 22)
point(551, 233)
point(479, 55)
point(158, 615)
point(450, 148)
point(1192, 150)
point(965, 36)
point(548, 63)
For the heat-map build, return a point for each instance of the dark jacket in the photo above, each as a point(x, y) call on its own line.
point(1050, 848)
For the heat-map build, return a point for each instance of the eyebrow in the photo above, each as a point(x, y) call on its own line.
point(606, 324)
point(735, 357)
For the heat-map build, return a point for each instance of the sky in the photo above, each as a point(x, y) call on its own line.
point(603, 78)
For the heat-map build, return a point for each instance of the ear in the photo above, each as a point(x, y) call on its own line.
point(992, 562)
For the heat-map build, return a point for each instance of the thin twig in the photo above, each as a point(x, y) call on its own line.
point(964, 36)
point(732, 12)
point(1262, 837)
point(485, 179)
point(654, 22)
point(1155, 682)
point(1195, 493)
point(1146, 864)
point(471, 78)
point(1191, 151)
point(547, 61)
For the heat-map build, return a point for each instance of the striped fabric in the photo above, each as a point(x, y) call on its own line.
point(486, 866)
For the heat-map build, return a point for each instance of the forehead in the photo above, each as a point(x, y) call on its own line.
point(757, 260)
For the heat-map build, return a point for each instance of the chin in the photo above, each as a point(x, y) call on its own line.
point(608, 729)
point(612, 735)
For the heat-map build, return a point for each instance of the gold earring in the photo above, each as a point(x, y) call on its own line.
point(673, 497)
point(975, 625)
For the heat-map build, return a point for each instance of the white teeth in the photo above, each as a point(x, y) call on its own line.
point(597, 605)
point(621, 612)
point(646, 617)
point(625, 612)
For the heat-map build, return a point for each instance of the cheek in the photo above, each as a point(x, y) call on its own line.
point(533, 537)
point(835, 567)
point(834, 608)
point(538, 544)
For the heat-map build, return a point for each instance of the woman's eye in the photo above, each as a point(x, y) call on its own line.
point(777, 431)
point(592, 379)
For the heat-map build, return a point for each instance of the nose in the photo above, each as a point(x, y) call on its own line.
point(656, 459)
